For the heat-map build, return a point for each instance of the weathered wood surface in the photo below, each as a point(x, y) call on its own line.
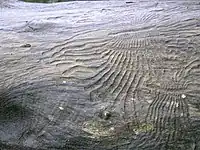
point(100, 75)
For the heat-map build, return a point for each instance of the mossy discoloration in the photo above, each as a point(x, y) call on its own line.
point(144, 127)
point(102, 128)
point(97, 128)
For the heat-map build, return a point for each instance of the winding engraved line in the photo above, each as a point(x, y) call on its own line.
point(123, 64)
point(194, 67)
point(63, 64)
point(99, 80)
point(157, 111)
point(179, 129)
point(128, 66)
point(162, 117)
point(124, 85)
point(95, 58)
point(57, 61)
point(149, 112)
point(121, 81)
point(149, 65)
point(84, 58)
point(85, 54)
point(68, 42)
point(121, 59)
point(76, 68)
point(131, 41)
point(84, 42)
point(168, 108)
point(104, 66)
point(90, 49)
point(112, 62)
point(58, 51)
point(133, 92)
point(181, 110)
point(115, 84)
point(104, 54)
point(116, 44)
point(188, 67)
point(127, 87)
point(117, 75)
point(132, 30)
point(75, 48)
point(171, 108)
point(146, 138)
point(174, 135)
point(186, 110)
point(153, 115)
point(86, 48)
point(143, 18)
point(180, 116)
point(158, 134)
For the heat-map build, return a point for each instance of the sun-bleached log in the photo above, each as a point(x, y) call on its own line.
point(100, 75)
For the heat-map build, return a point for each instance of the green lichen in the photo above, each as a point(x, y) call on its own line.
point(96, 128)
point(144, 127)
point(99, 129)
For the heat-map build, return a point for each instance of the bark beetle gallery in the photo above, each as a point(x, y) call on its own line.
point(100, 76)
